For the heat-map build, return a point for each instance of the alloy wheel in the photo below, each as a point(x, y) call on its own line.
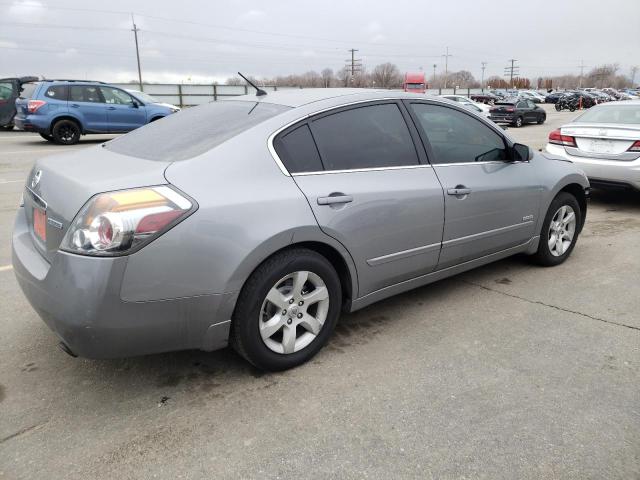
point(562, 230)
point(293, 312)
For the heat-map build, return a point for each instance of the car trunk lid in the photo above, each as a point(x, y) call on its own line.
point(605, 140)
point(59, 186)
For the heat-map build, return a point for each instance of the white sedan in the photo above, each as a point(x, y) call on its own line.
point(604, 142)
point(479, 108)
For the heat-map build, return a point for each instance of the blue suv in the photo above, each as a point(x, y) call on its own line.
point(63, 110)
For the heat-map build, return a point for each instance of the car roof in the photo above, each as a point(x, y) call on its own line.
point(298, 97)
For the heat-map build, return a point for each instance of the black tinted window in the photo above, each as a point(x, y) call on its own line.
point(57, 92)
point(193, 131)
point(364, 137)
point(84, 93)
point(298, 151)
point(456, 137)
point(6, 90)
point(521, 105)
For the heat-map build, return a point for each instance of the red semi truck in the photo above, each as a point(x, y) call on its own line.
point(414, 83)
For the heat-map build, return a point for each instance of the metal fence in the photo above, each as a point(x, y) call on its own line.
point(189, 95)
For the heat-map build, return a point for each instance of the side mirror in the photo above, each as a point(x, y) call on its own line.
point(521, 153)
point(134, 104)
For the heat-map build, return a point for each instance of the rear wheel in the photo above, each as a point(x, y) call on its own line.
point(7, 127)
point(558, 107)
point(47, 137)
point(66, 132)
point(518, 122)
point(559, 230)
point(287, 310)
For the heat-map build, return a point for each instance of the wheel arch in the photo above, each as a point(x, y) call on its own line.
point(578, 192)
point(66, 117)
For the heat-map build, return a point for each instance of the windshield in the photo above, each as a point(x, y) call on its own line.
point(144, 97)
point(194, 131)
point(625, 114)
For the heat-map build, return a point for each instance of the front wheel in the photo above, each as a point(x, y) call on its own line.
point(287, 310)
point(560, 230)
point(558, 107)
point(541, 119)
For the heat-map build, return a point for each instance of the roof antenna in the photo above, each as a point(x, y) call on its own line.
point(259, 91)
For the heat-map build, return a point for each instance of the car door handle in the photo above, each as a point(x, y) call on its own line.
point(75, 105)
point(458, 191)
point(111, 108)
point(335, 199)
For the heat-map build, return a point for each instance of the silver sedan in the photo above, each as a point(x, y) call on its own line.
point(255, 221)
point(604, 142)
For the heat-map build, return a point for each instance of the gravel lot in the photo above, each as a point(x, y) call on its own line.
point(509, 371)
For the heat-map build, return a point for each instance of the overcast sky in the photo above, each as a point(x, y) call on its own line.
point(192, 40)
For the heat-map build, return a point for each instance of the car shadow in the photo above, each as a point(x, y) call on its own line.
point(616, 199)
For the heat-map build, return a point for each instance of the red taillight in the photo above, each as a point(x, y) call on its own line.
point(635, 147)
point(157, 221)
point(510, 109)
point(34, 105)
point(557, 138)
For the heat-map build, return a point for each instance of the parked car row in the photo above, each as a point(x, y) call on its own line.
point(63, 110)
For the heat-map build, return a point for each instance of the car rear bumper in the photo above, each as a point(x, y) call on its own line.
point(78, 297)
point(603, 172)
point(502, 118)
point(31, 123)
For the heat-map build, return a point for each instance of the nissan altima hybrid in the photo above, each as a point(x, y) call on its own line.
point(256, 221)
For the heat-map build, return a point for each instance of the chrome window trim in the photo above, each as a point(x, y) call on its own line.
point(286, 172)
point(356, 170)
point(492, 162)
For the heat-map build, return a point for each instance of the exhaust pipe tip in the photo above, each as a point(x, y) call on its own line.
point(65, 348)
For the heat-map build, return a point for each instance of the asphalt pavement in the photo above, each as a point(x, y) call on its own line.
point(510, 371)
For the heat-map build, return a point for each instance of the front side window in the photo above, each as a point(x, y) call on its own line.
point(84, 93)
point(456, 137)
point(364, 137)
point(114, 96)
point(530, 104)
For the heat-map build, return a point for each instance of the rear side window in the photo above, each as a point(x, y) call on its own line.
point(84, 93)
point(27, 90)
point(298, 151)
point(57, 92)
point(364, 137)
point(194, 131)
point(456, 137)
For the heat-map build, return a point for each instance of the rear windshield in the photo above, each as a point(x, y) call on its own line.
point(505, 103)
point(194, 131)
point(626, 114)
point(28, 89)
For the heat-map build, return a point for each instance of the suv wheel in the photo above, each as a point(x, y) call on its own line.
point(66, 132)
point(541, 119)
point(518, 122)
point(559, 231)
point(287, 310)
point(47, 137)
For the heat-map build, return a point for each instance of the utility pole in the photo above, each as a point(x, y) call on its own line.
point(353, 64)
point(135, 31)
point(446, 67)
point(634, 70)
point(434, 74)
point(582, 66)
point(484, 65)
point(511, 70)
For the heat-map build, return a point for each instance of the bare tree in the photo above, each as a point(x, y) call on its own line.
point(327, 77)
point(386, 75)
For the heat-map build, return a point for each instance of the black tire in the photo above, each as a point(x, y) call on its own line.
point(572, 108)
point(7, 128)
point(544, 256)
point(66, 132)
point(541, 119)
point(47, 137)
point(245, 329)
point(518, 122)
point(558, 107)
